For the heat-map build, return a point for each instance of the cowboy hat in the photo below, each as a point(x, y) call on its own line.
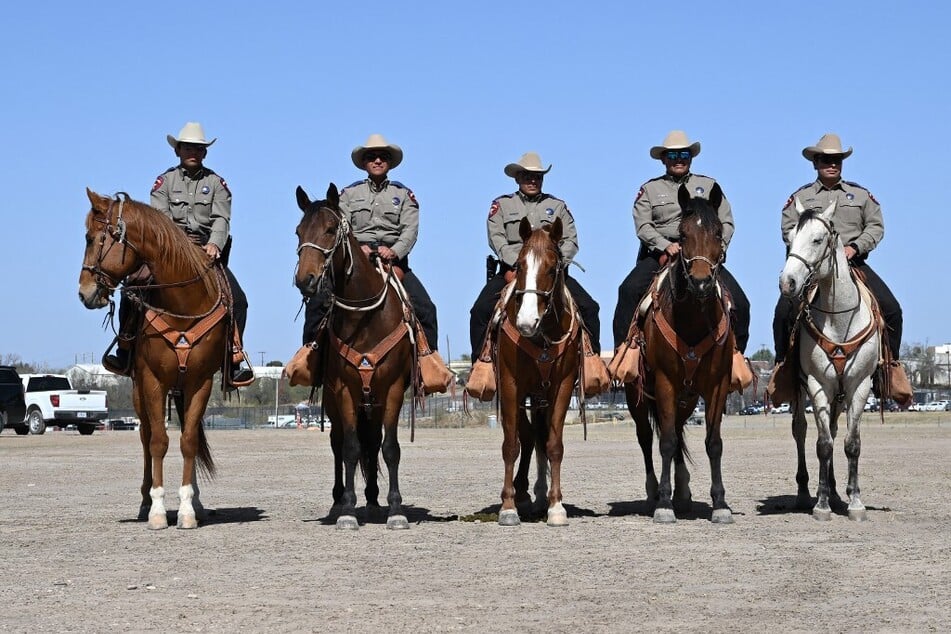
point(191, 133)
point(675, 140)
point(377, 142)
point(828, 144)
point(529, 162)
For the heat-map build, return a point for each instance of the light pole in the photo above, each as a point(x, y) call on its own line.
point(277, 385)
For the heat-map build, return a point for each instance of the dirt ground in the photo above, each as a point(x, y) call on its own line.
point(270, 559)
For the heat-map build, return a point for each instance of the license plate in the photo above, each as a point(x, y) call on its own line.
point(80, 414)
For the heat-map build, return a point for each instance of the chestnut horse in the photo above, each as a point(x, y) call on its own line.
point(187, 306)
point(538, 357)
point(688, 348)
point(367, 355)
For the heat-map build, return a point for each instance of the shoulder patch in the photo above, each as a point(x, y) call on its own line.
point(792, 196)
point(494, 209)
point(640, 192)
point(224, 184)
point(409, 193)
point(158, 182)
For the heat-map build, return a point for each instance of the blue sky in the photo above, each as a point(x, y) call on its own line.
point(90, 90)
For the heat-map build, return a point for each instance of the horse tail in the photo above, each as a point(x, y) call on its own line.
point(679, 430)
point(206, 464)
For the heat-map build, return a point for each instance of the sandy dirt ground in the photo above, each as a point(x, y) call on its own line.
point(269, 558)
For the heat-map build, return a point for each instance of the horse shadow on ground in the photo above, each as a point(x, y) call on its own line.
point(231, 515)
point(645, 508)
point(786, 505)
point(378, 515)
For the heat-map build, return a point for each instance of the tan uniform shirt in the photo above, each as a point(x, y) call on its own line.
point(858, 216)
point(657, 212)
point(507, 212)
point(388, 214)
point(200, 205)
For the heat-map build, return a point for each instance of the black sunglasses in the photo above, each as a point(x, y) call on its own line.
point(678, 155)
point(830, 159)
point(372, 156)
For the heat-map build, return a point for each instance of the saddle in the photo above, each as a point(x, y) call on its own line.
point(483, 383)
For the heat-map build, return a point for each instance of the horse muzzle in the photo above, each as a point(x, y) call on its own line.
point(93, 296)
point(702, 288)
point(308, 285)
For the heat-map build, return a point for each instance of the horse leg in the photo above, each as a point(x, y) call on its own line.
point(853, 447)
point(666, 413)
point(526, 439)
point(350, 456)
point(509, 409)
point(145, 437)
point(540, 425)
point(153, 401)
point(822, 510)
point(714, 442)
point(396, 519)
point(834, 498)
point(336, 446)
point(194, 405)
point(645, 438)
point(555, 451)
point(370, 431)
point(799, 426)
point(683, 498)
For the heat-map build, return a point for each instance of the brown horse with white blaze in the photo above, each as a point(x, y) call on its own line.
point(367, 355)
point(688, 348)
point(181, 344)
point(538, 357)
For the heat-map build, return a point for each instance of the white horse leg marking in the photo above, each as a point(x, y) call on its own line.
point(186, 512)
point(557, 515)
point(527, 319)
point(157, 517)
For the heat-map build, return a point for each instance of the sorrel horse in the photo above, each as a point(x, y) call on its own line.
point(688, 349)
point(538, 357)
point(367, 356)
point(839, 350)
point(179, 348)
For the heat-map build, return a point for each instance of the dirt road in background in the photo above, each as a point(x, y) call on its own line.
point(75, 560)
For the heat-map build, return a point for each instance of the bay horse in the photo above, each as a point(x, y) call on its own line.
point(538, 357)
point(839, 343)
point(688, 348)
point(367, 356)
point(180, 346)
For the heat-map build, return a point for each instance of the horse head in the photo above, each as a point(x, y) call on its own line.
point(539, 273)
point(108, 257)
point(701, 240)
point(813, 244)
point(320, 232)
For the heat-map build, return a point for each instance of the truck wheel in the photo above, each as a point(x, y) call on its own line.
point(36, 423)
point(86, 430)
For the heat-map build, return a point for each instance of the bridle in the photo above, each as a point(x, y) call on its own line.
point(105, 283)
point(687, 263)
point(547, 295)
point(828, 252)
point(340, 241)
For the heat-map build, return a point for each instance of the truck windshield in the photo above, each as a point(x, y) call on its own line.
point(47, 384)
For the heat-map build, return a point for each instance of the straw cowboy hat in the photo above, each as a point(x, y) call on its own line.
point(828, 144)
point(529, 162)
point(191, 133)
point(377, 142)
point(675, 140)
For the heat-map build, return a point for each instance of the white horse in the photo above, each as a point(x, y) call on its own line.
point(839, 350)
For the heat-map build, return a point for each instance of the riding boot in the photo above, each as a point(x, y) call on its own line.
point(121, 362)
point(899, 387)
point(742, 373)
point(781, 387)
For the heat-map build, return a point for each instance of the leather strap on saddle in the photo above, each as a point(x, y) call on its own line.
point(182, 341)
point(692, 355)
point(366, 362)
point(543, 357)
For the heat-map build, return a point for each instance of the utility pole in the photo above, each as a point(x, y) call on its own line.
point(262, 357)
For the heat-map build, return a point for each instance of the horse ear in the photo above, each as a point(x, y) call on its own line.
point(333, 196)
point(829, 211)
point(100, 204)
point(799, 207)
point(556, 230)
point(716, 196)
point(303, 200)
point(683, 197)
point(525, 228)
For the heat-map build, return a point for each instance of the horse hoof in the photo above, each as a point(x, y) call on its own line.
point(187, 521)
point(858, 515)
point(822, 515)
point(158, 522)
point(144, 512)
point(347, 523)
point(509, 517)
point(722, 516)
point(557, 518)
point(397, 522)
point(664, 516)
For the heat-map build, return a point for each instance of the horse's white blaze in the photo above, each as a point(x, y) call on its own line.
point(528, 317)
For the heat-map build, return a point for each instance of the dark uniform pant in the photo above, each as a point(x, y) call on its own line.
point(128, 319)
point(635, 285)
point(481, 311)
point(423, 306)
point(784, 315)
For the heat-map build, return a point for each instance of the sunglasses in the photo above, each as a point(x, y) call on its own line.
point(372, 156)
point(531, 176)
point(830, 159)
point(678, 155)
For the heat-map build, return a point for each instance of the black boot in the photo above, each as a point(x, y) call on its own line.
point(119, 363)
point(241, 374)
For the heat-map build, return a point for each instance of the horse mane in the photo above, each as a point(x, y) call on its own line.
point(178, 251)
point(806, 216)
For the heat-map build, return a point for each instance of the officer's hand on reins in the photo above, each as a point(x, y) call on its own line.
point(213, 251)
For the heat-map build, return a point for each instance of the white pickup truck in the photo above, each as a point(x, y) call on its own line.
point(52, 402)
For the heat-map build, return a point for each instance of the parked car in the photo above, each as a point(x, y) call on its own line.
point(12, 400)
point(51, 401)
point(937, 406)
point(915, 407)
point(751, 410)
point(782, 409)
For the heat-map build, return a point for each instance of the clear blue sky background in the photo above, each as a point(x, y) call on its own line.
point(89, 91)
